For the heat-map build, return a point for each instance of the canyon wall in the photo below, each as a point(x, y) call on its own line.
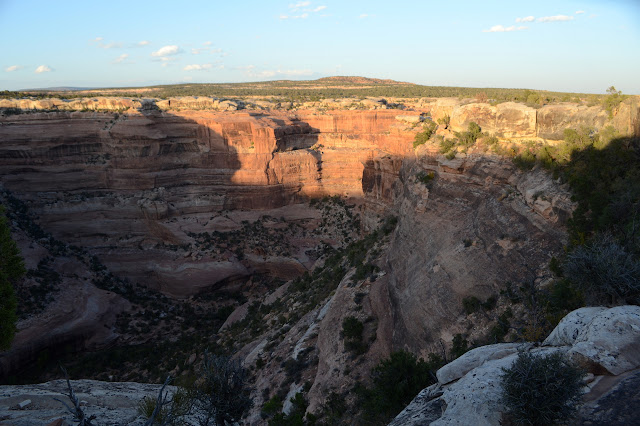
point(115, 182)
point(134, 188)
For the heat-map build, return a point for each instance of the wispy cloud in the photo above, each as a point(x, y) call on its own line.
point(166, 51)
point(580, 12)
point(121, 58)
point(13, 68)
point(200, 50)
point(43, 68)
point(99, 43)
point(301, 10)
point(300, 4)
point(363, 15)
point(144, 43)
point(555, 18)
point(526, 19)
point(208, 43)
point(503, 29)
point(198, 67)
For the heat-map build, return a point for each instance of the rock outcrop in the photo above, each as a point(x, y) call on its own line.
point(468, 388)
point(113, 403)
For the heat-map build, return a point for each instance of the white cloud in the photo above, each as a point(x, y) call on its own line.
point(166, 51)
point(301, 16)
point(303, 10)
point(580, 12)
point(100, 44)
point(111, 45)
point(364, 15)
point(296, 6)
point(503, 29)
point(43, 68)
point(199, 50)
point(144, 43)
point(555, 18)
point(121, 58)
point(526, 19)
point(198, 67)
point(12, 68)
point(208, 43)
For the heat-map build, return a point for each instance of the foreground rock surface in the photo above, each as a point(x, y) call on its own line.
point(468, 388)
point(112, 403)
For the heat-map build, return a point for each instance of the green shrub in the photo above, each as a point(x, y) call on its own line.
point(459, 346)
point(446, 145)
point(428, 128)
point(396, 381)
point(604, 271)
point(352, 330)
point(612, 100)
point(445, 121)
point(469, 137)
point(471, 304)
point(541, 390)
point(426, 178)
point(222, 394)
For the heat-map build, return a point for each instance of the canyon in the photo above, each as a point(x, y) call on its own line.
point(154, 208)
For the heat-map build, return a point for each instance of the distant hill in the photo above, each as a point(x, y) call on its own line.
point(358, 80)
point(332, 87)
point(58, 89)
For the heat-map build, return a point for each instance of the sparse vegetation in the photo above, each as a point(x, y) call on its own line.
point(11, 270)
point(542, 389)
point(352, 330)
point(396, 381)
point(422, 137)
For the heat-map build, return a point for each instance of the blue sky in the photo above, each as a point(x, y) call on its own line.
point(579, 46)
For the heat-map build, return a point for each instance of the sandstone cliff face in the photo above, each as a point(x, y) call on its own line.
point(104, 181)
point(514, 120)
point(474, 228)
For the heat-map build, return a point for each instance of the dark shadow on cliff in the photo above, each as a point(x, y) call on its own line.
point(177, 165)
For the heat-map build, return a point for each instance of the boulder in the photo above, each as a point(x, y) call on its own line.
point(611, 340)
point(475, 398)
point(475, 358)
point(568, 329)
point(424, 409)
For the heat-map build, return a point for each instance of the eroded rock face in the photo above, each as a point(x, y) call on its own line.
point(515, 120)
point(454, 232)
point(117, 183)
point(554, 119)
